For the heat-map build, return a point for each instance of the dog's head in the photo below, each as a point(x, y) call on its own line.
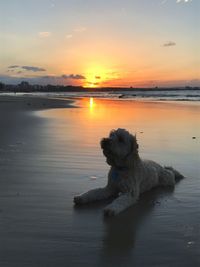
point(119, 147)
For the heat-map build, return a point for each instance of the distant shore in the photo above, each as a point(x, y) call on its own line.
point(26, 87)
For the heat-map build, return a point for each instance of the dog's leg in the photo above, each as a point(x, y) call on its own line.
point(121, 203)
point(94, 195)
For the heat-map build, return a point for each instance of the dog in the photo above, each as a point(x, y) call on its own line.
point(129, 175)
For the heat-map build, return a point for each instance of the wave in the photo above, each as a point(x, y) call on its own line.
point(152, 95)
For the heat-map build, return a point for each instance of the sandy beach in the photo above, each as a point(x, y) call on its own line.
point(49, 152)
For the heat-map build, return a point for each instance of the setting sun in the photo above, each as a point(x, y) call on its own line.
point(95, 76)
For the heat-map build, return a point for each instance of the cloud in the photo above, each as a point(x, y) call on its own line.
point(44, 34)
point(163, 2)
point(80, 29)
point(183, 1)
point(91, 83)
point(177, 1)
point(31, 68)
point(64, 76)
point(75, 31)
point(27, 68)
point(52, 4)
point(97, 77)
point(73, 76)
point(13, 67)
point(170, 43)
point(68, 36)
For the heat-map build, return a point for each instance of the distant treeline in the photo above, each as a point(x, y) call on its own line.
point(28, 88)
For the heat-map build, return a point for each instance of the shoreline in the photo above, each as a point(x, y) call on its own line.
point(33, 103)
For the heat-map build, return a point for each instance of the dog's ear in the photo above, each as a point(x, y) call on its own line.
point(112, 132)
point(137, 146)
point(134, 144)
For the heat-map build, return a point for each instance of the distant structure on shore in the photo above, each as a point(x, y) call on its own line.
point(26, 87)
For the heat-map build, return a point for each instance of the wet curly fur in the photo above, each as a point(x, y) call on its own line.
point(129, 175)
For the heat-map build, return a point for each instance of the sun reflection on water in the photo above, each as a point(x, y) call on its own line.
point(91, 103)
point(159, 126)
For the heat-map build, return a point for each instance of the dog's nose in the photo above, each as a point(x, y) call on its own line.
point(105, 142)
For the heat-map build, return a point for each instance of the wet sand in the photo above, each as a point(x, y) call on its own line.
point(49, 155)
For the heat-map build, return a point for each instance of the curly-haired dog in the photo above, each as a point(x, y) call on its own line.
point(129, 175)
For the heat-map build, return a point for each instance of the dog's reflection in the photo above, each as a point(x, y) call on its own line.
point(121, 231)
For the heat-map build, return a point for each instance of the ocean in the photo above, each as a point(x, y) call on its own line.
point(138, 94)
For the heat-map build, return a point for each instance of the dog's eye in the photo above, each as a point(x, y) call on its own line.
point(120, 139)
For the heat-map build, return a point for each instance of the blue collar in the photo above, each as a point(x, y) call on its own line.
point(115, 174)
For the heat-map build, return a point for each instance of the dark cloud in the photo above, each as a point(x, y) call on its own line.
point(64, 76)
point(97, 77)
point(31, 68)
point(90, 83)
point(13, 67)
point(77, 76)
point(28, 68)
point(169, 44)
point(73, 76)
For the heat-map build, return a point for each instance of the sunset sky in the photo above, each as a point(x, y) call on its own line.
point(142, 43)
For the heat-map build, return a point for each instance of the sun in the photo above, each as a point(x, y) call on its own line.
point(95, 76)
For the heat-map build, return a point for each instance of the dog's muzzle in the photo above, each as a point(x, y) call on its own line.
point(105, 143)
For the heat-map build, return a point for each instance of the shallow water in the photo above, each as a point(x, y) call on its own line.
point(57, 155)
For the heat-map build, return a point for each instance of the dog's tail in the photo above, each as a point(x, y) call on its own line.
point(178, 175)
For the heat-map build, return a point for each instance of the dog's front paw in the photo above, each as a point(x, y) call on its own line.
point(109, 212)
point(78, 200)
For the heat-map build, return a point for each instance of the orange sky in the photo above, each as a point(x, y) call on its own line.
point(101, 43)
